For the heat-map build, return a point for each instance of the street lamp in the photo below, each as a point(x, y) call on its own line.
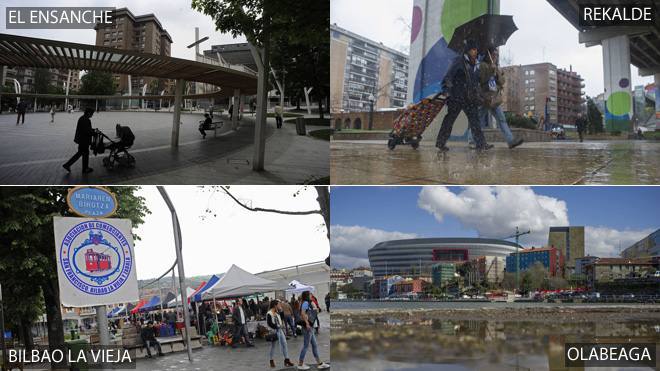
point(371, 110)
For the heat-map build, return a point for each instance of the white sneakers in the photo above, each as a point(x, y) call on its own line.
point(320, 366)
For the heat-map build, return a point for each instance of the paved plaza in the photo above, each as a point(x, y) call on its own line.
point(241, 359)
point(34, 152)
point(565, 162)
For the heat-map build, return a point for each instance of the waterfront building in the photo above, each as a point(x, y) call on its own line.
point(551, 258)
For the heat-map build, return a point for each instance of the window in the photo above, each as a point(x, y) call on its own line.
point(531, 72)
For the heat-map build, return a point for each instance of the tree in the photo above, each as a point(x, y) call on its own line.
point(27, 253)
point(533, 278)
point(96, 83)
point(595, 118)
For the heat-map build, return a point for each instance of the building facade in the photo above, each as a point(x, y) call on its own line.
point(647, 247)
point(26, 77)
point(442, 273)
point(362, 71)
point(609, 269)
point(529, 87)
point(550, 257)
point(415, 257)
point(570, 242)
point(143, 33)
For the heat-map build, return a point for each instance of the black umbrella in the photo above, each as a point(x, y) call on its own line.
point(487, 30)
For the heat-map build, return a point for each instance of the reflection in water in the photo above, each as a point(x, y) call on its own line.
point(420, 340)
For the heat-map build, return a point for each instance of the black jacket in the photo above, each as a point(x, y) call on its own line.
point(148, 334)
point(83, 131)
point(236, 316)
point(462, 81)
point(272, 323)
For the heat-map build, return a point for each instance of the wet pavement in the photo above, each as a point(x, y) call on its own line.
point(34, 152)
point(565, 162)
point(211, 358)
point(489, 339)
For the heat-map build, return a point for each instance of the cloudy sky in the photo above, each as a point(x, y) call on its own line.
point(612, 216)
point(543, 34)
point(176, 16)
point(254, 241)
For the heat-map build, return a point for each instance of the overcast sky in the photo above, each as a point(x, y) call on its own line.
point(176, 16)
point(254, 241)
point(543, 34)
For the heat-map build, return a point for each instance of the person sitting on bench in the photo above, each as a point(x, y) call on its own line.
point(149, 338)
point(206, 125)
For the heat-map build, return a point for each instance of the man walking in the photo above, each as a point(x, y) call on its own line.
point(462, 84)
point(83, 138)
point(278, 116)
point(581, 125)
point(491, 80)
point(240, 321)
point(20, 109)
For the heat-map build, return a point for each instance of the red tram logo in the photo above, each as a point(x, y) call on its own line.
point(97, 262)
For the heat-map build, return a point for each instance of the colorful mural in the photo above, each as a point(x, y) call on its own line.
point(433, 24)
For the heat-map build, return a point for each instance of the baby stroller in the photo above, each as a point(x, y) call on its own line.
point(118, 149)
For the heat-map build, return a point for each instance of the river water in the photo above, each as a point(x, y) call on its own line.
point(479, 336)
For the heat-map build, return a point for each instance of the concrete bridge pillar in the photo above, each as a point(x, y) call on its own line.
point(618, 89)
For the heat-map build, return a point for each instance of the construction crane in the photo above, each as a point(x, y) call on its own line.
point(517, 237)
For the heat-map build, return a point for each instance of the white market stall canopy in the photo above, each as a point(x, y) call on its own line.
point(189, 292)
point(238, 282)
point(296, 287)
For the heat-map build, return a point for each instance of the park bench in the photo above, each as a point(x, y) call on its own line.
point(215, 125)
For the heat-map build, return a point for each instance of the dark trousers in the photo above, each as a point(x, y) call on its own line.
point(453, 109)
point(201, 130)
point(278, 121)
point(83, 151)
point(241, 330)
point(149, 343)
point(20, 115)
point(580, 135)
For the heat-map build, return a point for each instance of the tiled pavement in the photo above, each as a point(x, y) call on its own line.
point(33, 153)
point(240, 359)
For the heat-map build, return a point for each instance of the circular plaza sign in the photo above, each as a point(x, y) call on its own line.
point(95, 202)
point(96, 257)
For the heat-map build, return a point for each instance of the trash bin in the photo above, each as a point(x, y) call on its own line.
point(75, 346)
point(300, 126)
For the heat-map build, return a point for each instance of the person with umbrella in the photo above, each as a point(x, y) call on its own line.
point(461, 83)
point(492, 80)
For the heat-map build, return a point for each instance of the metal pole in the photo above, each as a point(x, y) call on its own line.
point(2, 334)
point(517, 261)
point(179, 258)
point(160, 293)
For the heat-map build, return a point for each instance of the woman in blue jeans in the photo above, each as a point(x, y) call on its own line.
point(491, 83)
point(275, 322)
point(307, 310)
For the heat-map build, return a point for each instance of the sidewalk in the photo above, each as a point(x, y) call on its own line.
point(34, 152)
point(597, 162)
point(241, 359)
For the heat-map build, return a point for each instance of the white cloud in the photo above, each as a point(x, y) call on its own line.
point(349, 244)
point(605, 242)
point(497, 211)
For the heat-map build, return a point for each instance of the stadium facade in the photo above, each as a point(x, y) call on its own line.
point(417, 256)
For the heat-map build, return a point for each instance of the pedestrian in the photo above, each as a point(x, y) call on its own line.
point(287, 314)
point(148, 335)
point(240, 324)
point(83, 138)
point(278, 116)
point(274, 321)
point(327, 302)
point(211, 111)
point(20, 109)
point(52, 115)
point(231, 111)
point(580, 125)
point(317, 307)
point(308, 317)
point(461, 83)
point(491, 79)
point(205, 125)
